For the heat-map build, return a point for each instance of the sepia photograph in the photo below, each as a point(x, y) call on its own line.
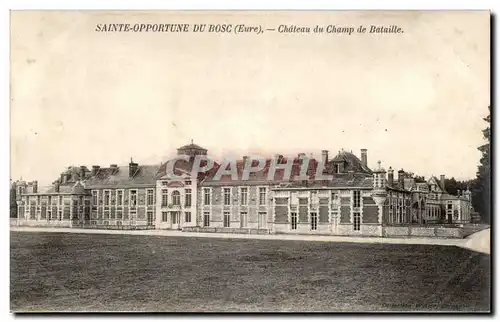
point(250, 161)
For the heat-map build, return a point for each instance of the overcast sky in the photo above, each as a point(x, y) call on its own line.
point(415, 100)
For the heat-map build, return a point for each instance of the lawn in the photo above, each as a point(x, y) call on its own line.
point(89, 272)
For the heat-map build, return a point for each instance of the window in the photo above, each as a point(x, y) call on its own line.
point(244, 219)
point(227, 219)
point(314, 221)
point(206, 219)
point(106, 197)
point(106, 215)
point(227, 196)
point(206, 196)
point(94, 198)
point(133, 198)
point(112, 216)
point(294, 220)
point(450, 206)
point(262, 196)
point(119, 197)
point(244, 196)
point(60, 200)
point(336, 168)
point(150, 197)
point(176, 198)
point(119, 214)
point(188, 183)
point(187, 216)
point(38, 199)
point(335, 196)
point(357, 221)
point(357, 198)
point(59, 215)
point(164, 183)
point(164, 216)
point(164, 197)
point(188, 199)
point(49, 214)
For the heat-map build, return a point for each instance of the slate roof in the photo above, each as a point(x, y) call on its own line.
point(191, 146)
point(119, 177)
point(352, 162)
point(357, 178)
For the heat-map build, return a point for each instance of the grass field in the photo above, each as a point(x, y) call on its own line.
point(87, 272)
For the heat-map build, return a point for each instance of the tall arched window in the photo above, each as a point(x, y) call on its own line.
point(176, 198)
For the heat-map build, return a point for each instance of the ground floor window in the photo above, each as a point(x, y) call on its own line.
point(227, 219)
point(357, 221)
point(244, 219)
point(206, 219)
point(119, 214)
point(59, 217)
point(314, 221)
point(150, 217)
point(164, 216)
point(294, 220)
point(187, 216)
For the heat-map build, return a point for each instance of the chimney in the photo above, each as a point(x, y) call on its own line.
point(132, 168)
point(324, 155)
point(82, 172)
point(442, 181)
point(401, 178)
point(63, 178)
point(56, 186)
point(364, 157)
point(95, 169)
point(390, 177)
point(35, 186)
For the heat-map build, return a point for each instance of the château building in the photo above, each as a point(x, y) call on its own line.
point(357, 200)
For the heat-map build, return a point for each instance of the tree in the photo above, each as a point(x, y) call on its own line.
point(481, 190)
point(13, 203)
point(420, 179)
point(452, 185)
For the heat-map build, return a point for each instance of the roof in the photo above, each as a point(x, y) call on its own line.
point(357, 177)
point(119, 177)
point(438, 182)
point(191, 146)
point(353, 163)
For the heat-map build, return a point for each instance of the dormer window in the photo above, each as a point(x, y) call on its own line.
point(336, 168)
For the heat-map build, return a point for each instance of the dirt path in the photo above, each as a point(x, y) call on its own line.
point(479, 242)
point(344, 239)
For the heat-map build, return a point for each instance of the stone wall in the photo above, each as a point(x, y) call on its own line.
point(45, 223)
point(427, 231)
point(365, 230)
point(226, 230)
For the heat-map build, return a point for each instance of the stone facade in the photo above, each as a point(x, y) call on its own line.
point(357, 201)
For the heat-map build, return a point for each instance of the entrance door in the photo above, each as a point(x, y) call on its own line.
point(334, 222)
point(175, 216)
point(150, 218)
point(244, 220)
point(262, 220)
